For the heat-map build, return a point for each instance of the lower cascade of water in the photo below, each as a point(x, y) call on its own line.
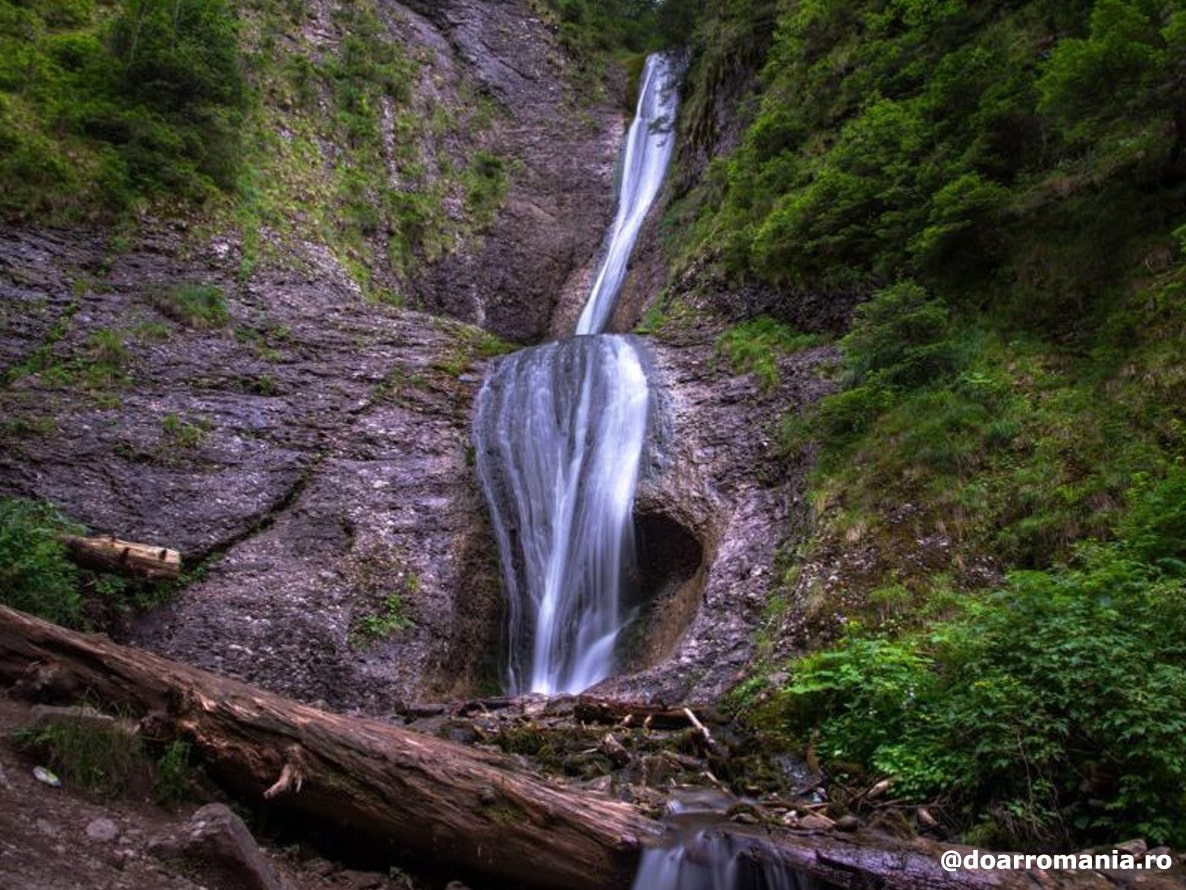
point(712, 853)
point(560, 431)
point(711, 859)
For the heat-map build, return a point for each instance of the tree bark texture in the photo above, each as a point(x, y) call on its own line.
point(125, 557)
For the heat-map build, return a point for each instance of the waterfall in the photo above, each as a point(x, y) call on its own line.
point(644, 161)
point(717, 860)
point(711, 853)
point(563, 427)
point(558, 436)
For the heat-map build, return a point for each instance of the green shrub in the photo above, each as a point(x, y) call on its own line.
point(486, 182)
point(1155, 526)
point(36, 575)
point(183, 433)
point(390, 617)
point(1049, 712)
point(100, 111)
point(106, 355)
point(173, 774)
point(900, 337)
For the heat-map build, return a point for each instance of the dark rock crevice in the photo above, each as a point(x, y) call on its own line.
point(717, 503)
point(670, 585)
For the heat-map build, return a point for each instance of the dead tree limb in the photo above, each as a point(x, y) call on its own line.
point(110, 554)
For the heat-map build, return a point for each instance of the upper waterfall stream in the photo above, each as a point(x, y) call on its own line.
point(559, 434)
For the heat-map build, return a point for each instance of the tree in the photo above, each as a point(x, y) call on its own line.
point(1122, 88)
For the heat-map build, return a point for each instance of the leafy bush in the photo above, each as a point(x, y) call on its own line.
point(173, 774)
point(390, 617)
point(1133, 50)
point(899, 337)
point(98, 113)
point(1050, 711)
point(933, 141)
point(36, 575)
point(486, 182)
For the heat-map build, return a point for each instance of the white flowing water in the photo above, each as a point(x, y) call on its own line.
point(711, 853)
point(714, 860)
point(563, 427)
point(559, 435)
point(644, 163)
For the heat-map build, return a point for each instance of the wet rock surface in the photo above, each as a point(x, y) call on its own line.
point(312, 450)
point(316, 451)
point(316, 444)
point(715, 470)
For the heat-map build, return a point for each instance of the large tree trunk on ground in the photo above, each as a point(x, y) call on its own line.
point(471, 810)
point(468, 809)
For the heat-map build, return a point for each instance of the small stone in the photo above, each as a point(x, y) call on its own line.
point(117, 859)
point(323, 868)
point(102, 830)
point(848, 823)
point(816, 822)
point(1135, 847)
point(361, 880)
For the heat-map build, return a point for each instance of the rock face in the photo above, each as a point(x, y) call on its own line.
point(219, 850)
point(316, 443)
point(315, 448)
point(716, 503)
point(544, 239)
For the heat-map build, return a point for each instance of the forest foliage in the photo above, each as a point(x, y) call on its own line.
point(222, 110)
point(103, 104)
point(1000, 191)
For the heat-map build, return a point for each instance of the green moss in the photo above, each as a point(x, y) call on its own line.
point(102, 761)
point(193, 304)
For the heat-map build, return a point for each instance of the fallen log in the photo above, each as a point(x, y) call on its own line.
point(110, 554)
point(470, 810)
